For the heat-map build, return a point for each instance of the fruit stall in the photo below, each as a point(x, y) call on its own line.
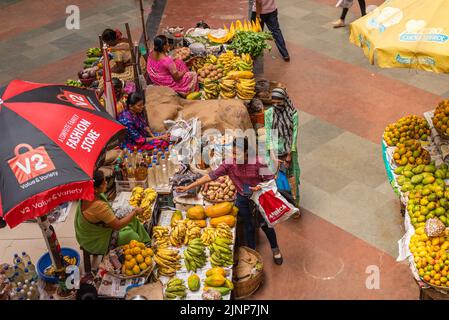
point(415, 151)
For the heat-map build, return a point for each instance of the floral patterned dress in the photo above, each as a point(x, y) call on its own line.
point(136, 134)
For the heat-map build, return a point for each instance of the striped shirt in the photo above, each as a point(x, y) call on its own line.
point(268, 6)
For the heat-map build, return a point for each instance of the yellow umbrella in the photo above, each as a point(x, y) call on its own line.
point(406, 34)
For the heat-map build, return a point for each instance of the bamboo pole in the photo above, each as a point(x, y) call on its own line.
point(145, 35)
point(133, 58)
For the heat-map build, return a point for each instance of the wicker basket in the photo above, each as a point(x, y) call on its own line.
point(245, 289)
point(442, 135)
point(108, 267)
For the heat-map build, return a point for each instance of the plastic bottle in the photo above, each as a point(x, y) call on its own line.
point(157, 173)
point(27, 275)
point(25, 258)
point(139, 158)
point(164, 176)
point(118, 173)
point(150, 176)
point(31, 266)
point(9, 272)
point(131, 177)
point(18, 275)
point(18, 261)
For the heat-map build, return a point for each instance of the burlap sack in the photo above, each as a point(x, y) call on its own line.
point(162, 103)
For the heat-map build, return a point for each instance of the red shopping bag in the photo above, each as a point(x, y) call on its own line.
point(273, 207)
point(31, 164)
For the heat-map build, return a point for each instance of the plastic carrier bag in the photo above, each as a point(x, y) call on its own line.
point(344, 3)
point(273, 207)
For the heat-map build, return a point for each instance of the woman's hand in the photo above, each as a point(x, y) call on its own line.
point(137, 211)
point(256, 188)
point(182, 189)
point(165, 137)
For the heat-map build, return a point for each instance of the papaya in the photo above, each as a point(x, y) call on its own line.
point(193, 96)
point(215, 280)
point(229, 284)
point(196, 213)
point(228, 219)
point(202, 223)
point(235, 75)
point(235, 211)
point(176, 216)
point(216, 270)
point(193, 282)
point(218, 210)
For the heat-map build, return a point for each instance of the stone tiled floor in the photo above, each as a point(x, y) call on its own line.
point(351, 216)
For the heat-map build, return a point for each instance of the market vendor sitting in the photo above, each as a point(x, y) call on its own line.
point(98, 229)
point(120, 94)
point(246, 176)
point(164, 71)
point(138, 132)
point(119, 48)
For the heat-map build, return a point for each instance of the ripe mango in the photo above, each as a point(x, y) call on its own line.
point(399, 170)
point(408, 174)
point(176, 216)
point(193, 282)
point(429, 168)
point(417, 179)
point(440, 174)
point(427, 180)
point(418, 169)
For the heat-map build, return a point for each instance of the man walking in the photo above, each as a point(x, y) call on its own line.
point(267, 12)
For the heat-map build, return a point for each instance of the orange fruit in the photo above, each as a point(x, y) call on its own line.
point(140, 258)
point(128, 257)
point(136, 269)
point(136, 251)
point(148, 261)
point(143, 266)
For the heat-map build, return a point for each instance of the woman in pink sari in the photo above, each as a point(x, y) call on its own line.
point(163, 71)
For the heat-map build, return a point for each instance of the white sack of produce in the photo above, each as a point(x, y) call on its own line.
point(162, 104)
point(273, 207)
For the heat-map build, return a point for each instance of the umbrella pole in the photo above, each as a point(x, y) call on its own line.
point(54, 249)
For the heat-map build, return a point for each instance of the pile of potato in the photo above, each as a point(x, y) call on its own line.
point(210, 71)
point(221, 189)
point(181, 53)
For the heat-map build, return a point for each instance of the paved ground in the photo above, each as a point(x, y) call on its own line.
point(351, 217)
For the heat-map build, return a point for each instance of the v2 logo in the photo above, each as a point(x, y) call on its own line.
point(31, 164)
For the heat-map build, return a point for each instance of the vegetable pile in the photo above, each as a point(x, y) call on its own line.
point(252, 43)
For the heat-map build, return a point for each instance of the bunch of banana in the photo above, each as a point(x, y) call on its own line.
point(161, 237)
point(136, 196)
point(221, 253)
point(224, 231)
point(244, 66)
point(94, 52)
point(208, 236)
point(210, 89)
point(211, 59)
point(198, 63)
point(167, 261)
point(178, 233)
point(227, 60)
point(195, 255)
point(69, 261)
point(149, 195)
point(246, 57)
point(193, 231)
point(175, 288)
point(74, 83)
point(227, 89)
point(246, 88)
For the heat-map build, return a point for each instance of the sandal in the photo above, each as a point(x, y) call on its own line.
point(338, 24)
point(277, 257)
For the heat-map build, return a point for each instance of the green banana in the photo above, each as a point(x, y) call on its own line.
point(175, 282)
point(170, 295)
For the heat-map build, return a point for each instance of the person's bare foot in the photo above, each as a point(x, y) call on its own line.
point(338, 24)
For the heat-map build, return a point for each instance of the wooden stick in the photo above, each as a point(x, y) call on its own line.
point(145, 35)
point(101, 42)
point(133, 58)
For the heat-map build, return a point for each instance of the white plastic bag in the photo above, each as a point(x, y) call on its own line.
point(273, 207)
point(344, 3)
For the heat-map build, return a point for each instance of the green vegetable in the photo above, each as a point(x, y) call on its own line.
point(252, 43)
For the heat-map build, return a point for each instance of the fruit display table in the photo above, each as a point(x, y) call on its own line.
point(414, 155)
